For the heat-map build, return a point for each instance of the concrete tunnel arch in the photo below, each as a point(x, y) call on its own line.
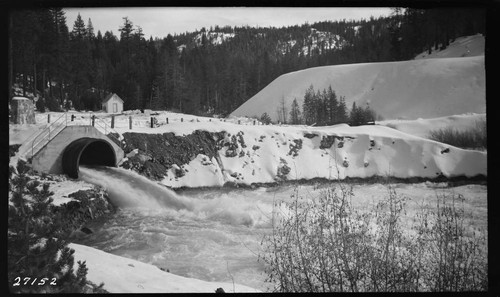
point(87, 151)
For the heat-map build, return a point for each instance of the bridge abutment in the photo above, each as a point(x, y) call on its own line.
point(50, 158)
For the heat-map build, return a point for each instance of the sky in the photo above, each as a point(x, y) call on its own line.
point(161, 21)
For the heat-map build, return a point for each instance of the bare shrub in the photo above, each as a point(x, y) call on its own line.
point(454, 260)
point(325, 245)
point(473, 138)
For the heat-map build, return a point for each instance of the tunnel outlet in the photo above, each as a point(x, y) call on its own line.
point(87, 151)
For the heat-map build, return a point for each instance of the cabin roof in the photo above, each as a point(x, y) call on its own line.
point(106, 99)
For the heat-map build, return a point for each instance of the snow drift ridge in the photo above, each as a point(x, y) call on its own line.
point(424, 88)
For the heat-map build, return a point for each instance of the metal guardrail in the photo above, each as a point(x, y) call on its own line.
point(104, 128)
point(47, 134)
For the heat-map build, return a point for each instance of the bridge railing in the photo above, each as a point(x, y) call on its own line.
point(102, 126)
point(47, 134)
point(38, 140)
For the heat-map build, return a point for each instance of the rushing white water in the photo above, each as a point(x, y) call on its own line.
point(212, 234)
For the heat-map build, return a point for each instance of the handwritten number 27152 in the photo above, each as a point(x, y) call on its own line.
point(27, 281)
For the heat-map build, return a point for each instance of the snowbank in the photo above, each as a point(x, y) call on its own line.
point(423, 127)
point(423, 88)
point(451, 83)
point(274, 153)
point(123, 275)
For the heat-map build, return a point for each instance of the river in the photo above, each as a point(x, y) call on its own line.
point(215, 234)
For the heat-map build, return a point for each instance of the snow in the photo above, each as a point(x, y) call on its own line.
point(395, 152)
point(397, 148)
point(466, 46)
point(422, 88)
point(62, 189)
point(317, 40)
point(123, 275)
point(422, 127)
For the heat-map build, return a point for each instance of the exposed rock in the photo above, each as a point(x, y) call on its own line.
point(310, 135)
point(87, 205)
point(294, 148)
point(13, 149)
point(327, 141)
point(283, 170)
point(446, 150)
point(23, 111)
point(345, 163)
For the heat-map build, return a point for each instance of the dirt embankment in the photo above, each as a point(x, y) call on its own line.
point(152, 155)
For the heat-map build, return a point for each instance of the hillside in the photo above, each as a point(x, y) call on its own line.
point(466, 46)
point(424, 88)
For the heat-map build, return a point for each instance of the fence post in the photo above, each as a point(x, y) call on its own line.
point(130, 122)
point(167, 120)
point(112, 122)
point(93, 120)
point(48, 118)
point(151, 122)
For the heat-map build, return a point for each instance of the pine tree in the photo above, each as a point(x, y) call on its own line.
point(295, 118)
point(90, 30)
point(353, 116)
point(342, 116)
point(265, 118)
point(368, 114)
point(308, 109)
point(333, 106)
point(79, 31)
point(36, 245)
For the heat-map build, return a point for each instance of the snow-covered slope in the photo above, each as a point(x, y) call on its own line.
point(422, 88)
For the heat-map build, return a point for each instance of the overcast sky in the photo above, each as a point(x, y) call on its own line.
point(159, 22)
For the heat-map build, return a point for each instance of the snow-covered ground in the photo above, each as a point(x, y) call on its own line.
point(124, 275)
point(451, 83)
point(362, 151)
point(422, 127)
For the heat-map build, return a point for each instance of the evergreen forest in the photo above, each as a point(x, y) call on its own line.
point(211, 71)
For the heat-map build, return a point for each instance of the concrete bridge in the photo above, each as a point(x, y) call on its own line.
point(73, 146)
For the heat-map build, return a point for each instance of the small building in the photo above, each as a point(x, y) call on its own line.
point(112, 103)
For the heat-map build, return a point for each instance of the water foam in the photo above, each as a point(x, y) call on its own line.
point(128, 189)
